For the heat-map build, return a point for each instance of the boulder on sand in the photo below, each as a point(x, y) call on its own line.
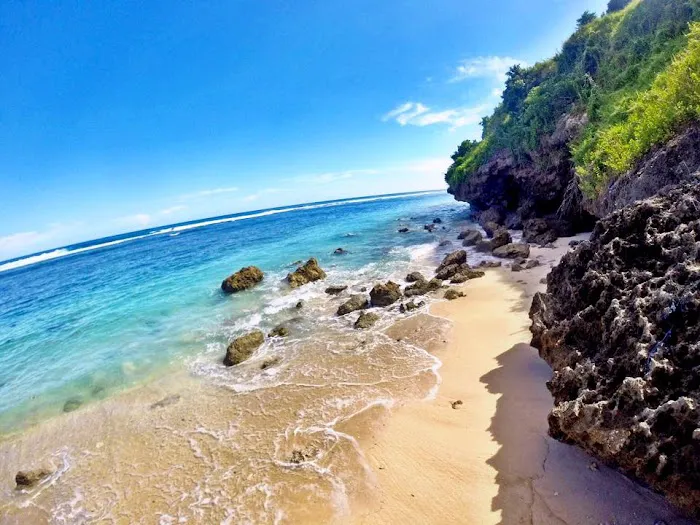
point(458, 257)
point(513, 251)
point(385, 294)
point(243, 347)
point(25, 479)
point(470, 237)
point(410, 306)
point(307, 273)
point(467, 275)
point(414, 276)
point(491, 227)
point(422, 287)
point(243, 279)
point(356, 302)
point(452, 294)
point(366, 320)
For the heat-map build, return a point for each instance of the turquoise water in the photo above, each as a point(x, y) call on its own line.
point(88, 320)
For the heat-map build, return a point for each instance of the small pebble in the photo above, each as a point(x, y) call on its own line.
point(456, 404)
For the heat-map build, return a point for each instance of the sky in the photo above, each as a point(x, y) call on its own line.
point(120, 116)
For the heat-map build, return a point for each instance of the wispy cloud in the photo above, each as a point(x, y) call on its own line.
point(493, 67)
point(172, 209)
point(255, 196)
point(326, 178)
point(209, 193)
point(417, 114)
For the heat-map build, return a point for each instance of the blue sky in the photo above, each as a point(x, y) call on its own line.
point(117, 116)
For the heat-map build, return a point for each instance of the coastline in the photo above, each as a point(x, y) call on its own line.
point(490, 460)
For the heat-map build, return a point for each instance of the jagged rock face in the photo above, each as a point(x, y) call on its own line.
point(385, 294)
point(674, 162)
point(242, 280)
point(510, 191)
point(620, 326)
point(308, 273)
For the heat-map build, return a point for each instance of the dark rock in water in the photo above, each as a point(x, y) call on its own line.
point(385, 294)
point(403, 230)
point(243, 347)
point(356, 302)
point(451, 294)
point(310, 272)
point(422, 287)
point(513, 251)
point(490, 264)
point(363, 289)
point(366, 320)
point(414, 276)
point(340, 251)
point(430, 227)
point(410, 306)
point(470, 237)
point(620, 327)
point(299, 305)
point(25, 479)
point(483, 246)
point(279, 331)
point(242, 280)
point(268, 363)
point(300, 456)
point(72, 404)
point(437, 220)
point(445, 242)
point(516, 267)
point(166, 401)
point(335, 290)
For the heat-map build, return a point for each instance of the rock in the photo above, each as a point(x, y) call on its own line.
point(340, 251)
point(437, 220)
point(385, 294)
point(467, 275)
point(512, 251)
point(483, 246)
point(500, 237)
point(458, 257)
point(403, 230)
point(167, 401)
point(243, 347)
point(242, 280)
point(310, 272)
point(356, 302)
point(363, 289)
point(456, 404)
point(490, 264)
point(336, 290)
point(447, 272)
point(471, 237)
point(414, 276)
point(543, 280)
point(72, 404)
point(539, 231)
point(516, 267)
point(430, 227)
point(299, 305)
point(574, 243)
point(410, 306)
point(366, 320)
point(445, 242)
point(491, 227)
point(532, 263)
point(279, 331)
point(620, 327)
point(270, 362)
point(25, 479)
point(422, 287)
point(451, 294)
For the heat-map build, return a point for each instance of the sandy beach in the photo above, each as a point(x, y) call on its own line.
point(490, 460)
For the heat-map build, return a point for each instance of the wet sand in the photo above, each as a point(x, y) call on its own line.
point(490, 460)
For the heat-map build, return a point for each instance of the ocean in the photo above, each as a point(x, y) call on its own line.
point(92, 334)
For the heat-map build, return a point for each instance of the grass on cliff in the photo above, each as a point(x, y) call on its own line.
point(634, 72)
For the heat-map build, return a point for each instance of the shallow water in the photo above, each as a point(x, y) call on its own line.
point(118, 328)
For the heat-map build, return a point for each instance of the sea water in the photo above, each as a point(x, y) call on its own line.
point(98, 328)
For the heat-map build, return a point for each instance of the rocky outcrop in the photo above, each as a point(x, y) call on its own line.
point(385, 294)
point(307, 273)
point(513, 251)
point(467, 275)
point(336, 290)
point(26, 479)
point(366, 320)
point(620, 326)
point(243, 347)
point(667, 165)
point(470, 237)
point(422, 287)
point(356, 302)
point(410, 306)
point(414, 276)
point(242, 280)
point(510, 191)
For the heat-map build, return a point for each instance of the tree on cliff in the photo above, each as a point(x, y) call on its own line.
point(617, 5)
point(586, 18)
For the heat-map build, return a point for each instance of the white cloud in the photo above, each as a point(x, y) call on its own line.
point(486, 67)
point(417, 114)
point(209, 193)
point(255, 196)
point(172, 209)
point(326, 178)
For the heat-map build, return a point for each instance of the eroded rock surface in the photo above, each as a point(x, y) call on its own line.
point(620, 326)
point(307, 273)
point(242, 280)
point(243, 347)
